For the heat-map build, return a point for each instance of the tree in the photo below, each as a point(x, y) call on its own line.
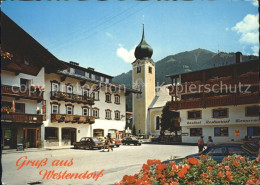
point(168, 120)
point(134, 130)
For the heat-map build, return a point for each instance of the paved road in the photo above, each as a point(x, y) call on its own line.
point(123, 160)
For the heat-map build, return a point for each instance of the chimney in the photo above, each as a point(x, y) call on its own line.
point(238, 57)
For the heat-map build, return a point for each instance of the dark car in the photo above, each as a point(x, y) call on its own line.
point(131, 140)
point(222, 150)
point(88, 143)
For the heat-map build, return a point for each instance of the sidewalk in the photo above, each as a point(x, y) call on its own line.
point(10, 151)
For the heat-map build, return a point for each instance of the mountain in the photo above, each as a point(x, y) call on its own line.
point(187, 61)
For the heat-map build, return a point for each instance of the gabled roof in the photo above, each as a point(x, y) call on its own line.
point(161, 98)
point(21, 45)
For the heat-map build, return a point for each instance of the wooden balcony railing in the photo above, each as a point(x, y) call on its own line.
point(21, 92)
point(248, 98)
point(22, 118)
point(74, 98)
point(214, 101)
point(219, 100)
point(64, 118)
point(249, 78)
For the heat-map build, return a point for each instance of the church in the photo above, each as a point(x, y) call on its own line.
point(148, 105)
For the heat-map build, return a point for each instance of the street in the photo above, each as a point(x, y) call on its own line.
point(123, 160)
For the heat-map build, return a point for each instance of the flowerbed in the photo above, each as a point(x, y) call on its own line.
point(233, 170)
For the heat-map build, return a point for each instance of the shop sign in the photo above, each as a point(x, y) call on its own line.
point(194, 122)
point(217, 121)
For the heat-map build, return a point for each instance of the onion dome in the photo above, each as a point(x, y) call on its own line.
point(143, 50)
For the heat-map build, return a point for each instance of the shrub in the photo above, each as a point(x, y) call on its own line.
point(233, 170)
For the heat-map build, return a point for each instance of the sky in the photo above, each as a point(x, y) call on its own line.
point(104, 34)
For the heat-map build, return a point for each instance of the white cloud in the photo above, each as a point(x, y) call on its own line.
point(248, 24)
point(255, 2)
point(255, 50)
point(248, 31)
point(109, 35)
point(127, 56)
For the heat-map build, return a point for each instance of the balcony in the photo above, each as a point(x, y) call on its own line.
point(7, 90)
point(249, 78)
point(248, 98)
point(186, 104)
point(69, 97)
point(22, 118)
point(64, 118)
point(216, 82)
point(222, 100)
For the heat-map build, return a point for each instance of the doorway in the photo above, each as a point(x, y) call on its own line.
point(31, 137)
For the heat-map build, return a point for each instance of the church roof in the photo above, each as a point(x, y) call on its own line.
point(143, 50)
point(161, 98)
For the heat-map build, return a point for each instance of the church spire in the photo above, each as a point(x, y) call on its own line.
point(143, 50)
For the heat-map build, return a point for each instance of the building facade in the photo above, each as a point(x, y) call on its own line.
point(221, 102)
point(24, 63)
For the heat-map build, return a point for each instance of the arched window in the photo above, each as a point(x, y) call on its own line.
point(157, 123)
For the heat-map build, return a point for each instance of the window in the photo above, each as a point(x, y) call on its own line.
point(55, 109)
point(221, 131)
point(69, 89)
point(55, 87)
point(85, 111)
point(26, 62)
point(96, 95)
point(194, 114)
point(157, 123)
point(220, 113)
point(20, 108)
point(25, 83)
point(138, 69)
point(79, 72)
point(95, 112)
point(150, 70)
point(195, 131)
point(117, 115)
point(69, 110)
point(86, 92)
point(51, 133)
point(236, 150)
point(108, 98)
point(117, 99)
point(108, 114)
point(253, 131)
point(92, 76)
point(102, 79)
point(216, 151)
point(252, 111)
point(107, 80)
point(87, 74)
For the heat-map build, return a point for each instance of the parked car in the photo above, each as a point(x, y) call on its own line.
point(117, 141)
point(88, 143)
point(222, 150)
point(131, 140)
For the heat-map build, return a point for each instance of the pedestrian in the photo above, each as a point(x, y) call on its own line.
point(108, 143)
point(210, 142)
point(201, 143)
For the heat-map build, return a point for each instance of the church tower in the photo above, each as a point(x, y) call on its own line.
point(143, 79)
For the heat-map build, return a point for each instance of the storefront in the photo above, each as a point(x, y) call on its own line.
point(98, 132)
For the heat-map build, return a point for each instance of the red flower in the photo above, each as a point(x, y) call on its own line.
point(236, 163)
point(146, 167)
point(182, 173)
point(228, 175)
point(227, 168)
point(193, 161)
point(250, 181)
point(152, 162)
point(220, 174)
point(258, 159)
point(129, 179)
point(161, 167)
point(210, 168)
point(242, 158)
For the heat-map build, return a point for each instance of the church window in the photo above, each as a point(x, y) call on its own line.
point(157, 123)
point(138, 69)
point(150, 70)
